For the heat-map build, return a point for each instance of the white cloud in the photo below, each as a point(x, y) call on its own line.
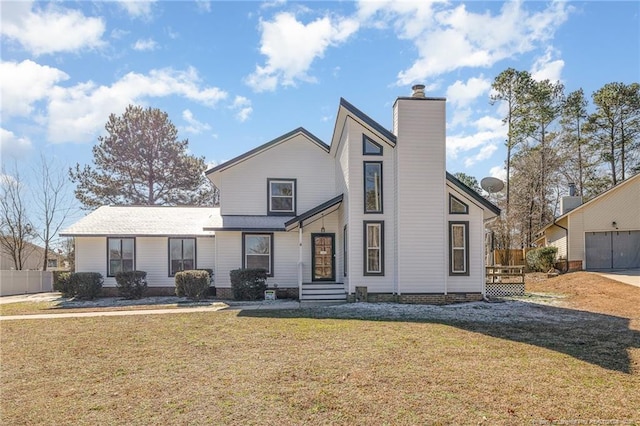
point(12, 145)
point(30, 82)
point(498, 172)
point(77, 113)
point(145, 44)
point(485, 153)
point(118, 33)
point(462, 94)
point(194, 126)
point(546, 67)
point(291, 47)
point(447, 38)
point(137, 8)
point(243, 108)
point(50, 29)
point(203, 6)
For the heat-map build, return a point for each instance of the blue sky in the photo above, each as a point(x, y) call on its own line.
point(234, 75)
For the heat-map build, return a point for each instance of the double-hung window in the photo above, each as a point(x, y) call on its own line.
point(182, 255)
point(121, 255)
point(281, 194)
point(373, 248)
point(257, 252)
point(373, 186)
point(458, 248)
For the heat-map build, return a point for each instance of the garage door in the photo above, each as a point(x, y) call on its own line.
point(612, 250)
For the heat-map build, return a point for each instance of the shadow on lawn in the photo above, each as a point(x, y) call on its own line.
point(602, 340)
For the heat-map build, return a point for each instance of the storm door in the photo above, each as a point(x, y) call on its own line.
point(323, 257)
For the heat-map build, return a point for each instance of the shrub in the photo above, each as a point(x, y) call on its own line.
point(62, 283)
point(192, 284)
point(131, 284)
point(86, 285)
point(541, 259)
point(248, 284)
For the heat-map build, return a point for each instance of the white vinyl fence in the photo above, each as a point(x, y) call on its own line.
point(24, 282)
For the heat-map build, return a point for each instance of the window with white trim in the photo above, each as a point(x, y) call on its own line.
point(281, 196)
point(257, 252)
point(373, 248)
point(121, 255)
point(458, 248)
point(182, 255)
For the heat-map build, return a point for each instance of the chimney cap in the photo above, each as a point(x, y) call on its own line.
point(418, 90)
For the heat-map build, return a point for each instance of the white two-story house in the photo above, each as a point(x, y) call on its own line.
point(373, 212)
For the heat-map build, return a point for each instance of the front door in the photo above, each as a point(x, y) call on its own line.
point(323, 257)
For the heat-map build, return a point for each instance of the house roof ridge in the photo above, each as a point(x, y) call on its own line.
point(368, 120)
point(267, 145)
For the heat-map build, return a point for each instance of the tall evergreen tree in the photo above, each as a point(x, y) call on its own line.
point(614, 128)
point(141, 161)
point(509, 87)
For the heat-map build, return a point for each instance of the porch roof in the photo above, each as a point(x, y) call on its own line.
point(314, 214)
point(247, 223)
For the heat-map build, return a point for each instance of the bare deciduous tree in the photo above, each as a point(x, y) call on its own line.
point(16, 230)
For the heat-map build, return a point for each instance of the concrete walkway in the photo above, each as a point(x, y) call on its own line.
point(213, 307)
point(627, 276)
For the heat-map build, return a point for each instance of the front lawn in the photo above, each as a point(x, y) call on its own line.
point(345, 365)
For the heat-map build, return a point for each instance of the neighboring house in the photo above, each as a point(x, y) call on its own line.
point(603, 233)
point(33, 256)
point(375, 210)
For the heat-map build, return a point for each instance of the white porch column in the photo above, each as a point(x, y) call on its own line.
point(300, 260)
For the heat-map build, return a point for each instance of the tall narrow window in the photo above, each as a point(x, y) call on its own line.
point(182, 255)
point(370, 147)
point(344, 250)
point(373, 248)
point(121, 253)
point(373, 186)
point(281, 196)
point(257, 252)
point(458, 248)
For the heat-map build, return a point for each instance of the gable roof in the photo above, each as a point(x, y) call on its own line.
point(473, 194)
point(144, 221)
point(593, 200)
point(368, 121)
point(264, 147)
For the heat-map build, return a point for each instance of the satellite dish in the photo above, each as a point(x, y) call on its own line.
point(491, 184)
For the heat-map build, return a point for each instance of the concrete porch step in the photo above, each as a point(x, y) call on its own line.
point(323, 292)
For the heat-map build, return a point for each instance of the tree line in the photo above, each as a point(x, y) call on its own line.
point(553, 140)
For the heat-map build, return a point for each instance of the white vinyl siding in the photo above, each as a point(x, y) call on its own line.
point(473, 280)
point(421, 206)
point(151, 257)
point(243, 186)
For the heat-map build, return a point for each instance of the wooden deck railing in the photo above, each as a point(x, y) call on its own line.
point(505, 274)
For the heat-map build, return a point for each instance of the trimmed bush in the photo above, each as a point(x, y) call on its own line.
point(193, 284)
point(131, 284)
point(86, 285)
point(248, 284)
point(542, 259)
point(62, 283)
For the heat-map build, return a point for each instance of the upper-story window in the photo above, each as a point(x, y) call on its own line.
point(373, 186)
point(281, 195)
point(370, 147)
point(456, 206)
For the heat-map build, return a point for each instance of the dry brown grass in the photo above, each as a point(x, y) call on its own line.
point(300, 367)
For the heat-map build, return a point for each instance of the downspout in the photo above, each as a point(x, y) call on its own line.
point(300, 260)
